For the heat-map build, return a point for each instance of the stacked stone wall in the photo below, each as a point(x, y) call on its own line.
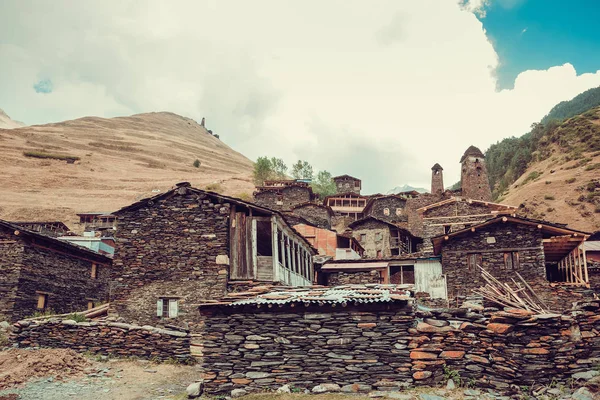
point(377, 347)
point(353, 278)
point(376, 237)
point(11, 258)
point(317, 215)
point(107, 338)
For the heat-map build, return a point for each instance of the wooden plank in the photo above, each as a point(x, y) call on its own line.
point(254, 247)
point(585, 269)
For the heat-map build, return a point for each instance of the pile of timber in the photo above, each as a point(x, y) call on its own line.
point(92, 313)
point(521, 296)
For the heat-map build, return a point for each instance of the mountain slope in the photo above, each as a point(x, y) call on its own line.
point(406, 188)
point(7, 123)
point(562, 181)
point(121, 160)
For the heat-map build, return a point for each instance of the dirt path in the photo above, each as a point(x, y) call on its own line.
point(62, 374)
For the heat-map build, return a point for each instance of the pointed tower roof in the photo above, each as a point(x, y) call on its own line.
point(437, 167)
point(472, 151)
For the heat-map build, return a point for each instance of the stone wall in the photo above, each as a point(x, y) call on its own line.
point(11, 256)
point(351, 278)
point(107, 338)
point(259, 349)
point(347, 184)
point(316, 214)
point(395, 205)
point(269, 199)
point(368, 347)
point(28, 270)
point(283, 198)
point(175, 248)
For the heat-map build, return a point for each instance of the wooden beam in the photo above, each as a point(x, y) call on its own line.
point(585, 269)
point(275, 248)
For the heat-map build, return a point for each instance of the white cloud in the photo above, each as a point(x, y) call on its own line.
point(381, 90)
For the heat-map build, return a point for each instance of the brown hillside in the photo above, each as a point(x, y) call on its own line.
point(565, 185)
point(121, 160)
point(7, 123)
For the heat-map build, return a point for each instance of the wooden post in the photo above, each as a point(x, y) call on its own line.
point(275, 249)
point(282, 248)
point(585, 270)
point(579, 269)
point(290, 265)
point(293, 255)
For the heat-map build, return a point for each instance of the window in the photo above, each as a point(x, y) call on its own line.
point(473, 260)
point(347, 185)
point(447, 229)
point(363, 237)
point(398, 211)
point(511, 260)
point(94, 273)
point(379, 254)
point(90, 304)
point(386, 211)
point(378, 236)
point(167, 308)
point(42, 302)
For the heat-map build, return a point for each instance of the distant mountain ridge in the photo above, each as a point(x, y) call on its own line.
point(406, 188)
point(7, 123)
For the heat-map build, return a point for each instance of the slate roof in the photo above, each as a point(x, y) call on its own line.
point(437, 167)
point(473, 152)
point(343, 295)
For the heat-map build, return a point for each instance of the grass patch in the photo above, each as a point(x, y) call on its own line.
point(41, 154)
point(570, 180)
point(76, 317)
point(549, 197)
point(3, 340)
point(46, 313)
point(244, 196)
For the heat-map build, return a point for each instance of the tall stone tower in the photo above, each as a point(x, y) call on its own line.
point(437, 179)
point(474, 176)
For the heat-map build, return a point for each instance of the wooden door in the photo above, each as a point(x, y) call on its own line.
point(240, 265)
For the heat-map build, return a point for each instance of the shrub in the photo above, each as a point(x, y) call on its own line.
point(597, 209)
point(531, 177)
point(197, 163)
point(548, 197)
point(548, 182)
point(214, 187)
point(570, 180)
point(592, 167)
point(41, 154)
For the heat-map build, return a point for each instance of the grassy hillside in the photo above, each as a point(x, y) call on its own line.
point(560, 180)
point(115, 162)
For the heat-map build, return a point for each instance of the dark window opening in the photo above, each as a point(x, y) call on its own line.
point(264, 245)
point(473, 260)
point(447, 229)
point(402, 274)
point(511, 260)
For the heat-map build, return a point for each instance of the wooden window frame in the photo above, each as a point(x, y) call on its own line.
point(474, 259)
point(511, 260)
point(94, 271)
point(167, 307)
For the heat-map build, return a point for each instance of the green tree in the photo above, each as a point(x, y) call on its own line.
point(323, 184)
point(279, 168)
point(302, 170)
point(263, 170)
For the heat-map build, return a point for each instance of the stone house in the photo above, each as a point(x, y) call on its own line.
point(318, 215)
point(545, 255)
point(41, 273)
point(48, 228)
point(390, 208)
point(350, 205)
point(454, 214)
point(283, 195)
point(187, 245)
point(347, 184)
point(382, 239)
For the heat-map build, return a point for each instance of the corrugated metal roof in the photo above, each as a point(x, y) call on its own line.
point(367, 293)
point(592, 246)
point(357, 265)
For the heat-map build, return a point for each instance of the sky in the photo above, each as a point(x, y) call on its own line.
point(379, 90)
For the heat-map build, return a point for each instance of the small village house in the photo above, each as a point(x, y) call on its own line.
point(542, 252)
point(283, 195)
point(187, 245)
point(39, 273)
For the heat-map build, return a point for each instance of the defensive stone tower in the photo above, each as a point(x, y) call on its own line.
point(437, 179)
point(474, 176)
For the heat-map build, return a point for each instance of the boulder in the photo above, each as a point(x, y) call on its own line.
point(326, 387)
point(194, 390)
point(238, 393)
